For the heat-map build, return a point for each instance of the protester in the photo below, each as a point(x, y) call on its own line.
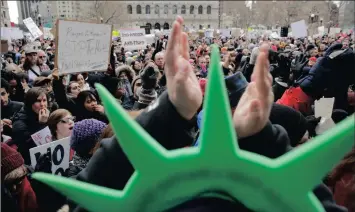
point(17, 193)
point(30, 119)
point(85, 135)
point(61, 124)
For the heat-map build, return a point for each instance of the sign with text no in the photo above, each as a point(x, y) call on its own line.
point(59, 153)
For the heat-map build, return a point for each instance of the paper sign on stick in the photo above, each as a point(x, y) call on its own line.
point(82, 47)
point(299, 29)
point(42, 137)
point(324, 107)
point(133, 39)
point(33, 28)
point(59, 153)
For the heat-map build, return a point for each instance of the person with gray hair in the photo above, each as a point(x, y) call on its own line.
point(159, 61)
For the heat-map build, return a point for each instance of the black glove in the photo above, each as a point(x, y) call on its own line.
point(44, 163)
point(149, 76)
point(284, 65)
point(297, 66)
point(312, 123)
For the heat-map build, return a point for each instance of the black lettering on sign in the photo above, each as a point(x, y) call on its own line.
point(38, 154)
point(60, 171)
point(55, 155)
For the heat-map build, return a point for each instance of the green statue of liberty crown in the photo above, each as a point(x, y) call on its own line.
point(164, 179)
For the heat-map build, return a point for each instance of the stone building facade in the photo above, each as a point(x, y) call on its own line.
point(5, 16)
point(161, 14)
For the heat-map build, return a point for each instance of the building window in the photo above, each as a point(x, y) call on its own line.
point(192, 8)
point(174, 9)
point(200, 9)
point(208, 9)
point(156, 9)
point(183, 9)
point(4, 14)
point(139, 9)
point(166, 8)
point(147, 9)
point(129, 9)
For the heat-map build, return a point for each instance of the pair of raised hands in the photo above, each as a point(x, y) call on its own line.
point(253, 110)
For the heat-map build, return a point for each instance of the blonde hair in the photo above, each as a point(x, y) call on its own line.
point(16, 173)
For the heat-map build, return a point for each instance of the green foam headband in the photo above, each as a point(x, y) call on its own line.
point(164, 179)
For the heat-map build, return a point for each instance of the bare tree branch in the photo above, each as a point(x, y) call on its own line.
point(111, 17)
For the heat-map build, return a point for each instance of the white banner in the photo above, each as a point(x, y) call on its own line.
point(82, 47)
point(58, 151)
point(321, 30)
point(133, 39)
point(32, 27)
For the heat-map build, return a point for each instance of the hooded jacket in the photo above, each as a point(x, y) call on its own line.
point(110, 167)
point(25, 123)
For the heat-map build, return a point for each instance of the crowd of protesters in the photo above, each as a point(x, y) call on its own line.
point(34, 95)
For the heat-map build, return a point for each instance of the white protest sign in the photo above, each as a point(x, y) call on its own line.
point(82, 47)
point(42, 137)
point(150, 38)
point(209, 33)
point(226, 32)
point(323, 107)
point(59, 153)
point(333, 31)
point(134, 39)
point(10, 33)
point(299, 29)
point(324, 125)
point(47, 33)
point(32, 27)
point(321, 30)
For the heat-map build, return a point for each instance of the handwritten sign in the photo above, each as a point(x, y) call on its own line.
point(32, 27)
point(42, 137)
point(10, 33)
point(299, 29)
point(133, 39)
point(59, 153)
point(82, 47)
point(333, 31)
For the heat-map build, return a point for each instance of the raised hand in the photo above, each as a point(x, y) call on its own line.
point(253, 110)
point(300, 62)
point(183, 87)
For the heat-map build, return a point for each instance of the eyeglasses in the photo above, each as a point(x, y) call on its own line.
point(67, 120)
point(3, 93)
point(42, 57)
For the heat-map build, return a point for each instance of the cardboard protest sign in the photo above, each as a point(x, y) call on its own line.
point(4, 46)
point(235, 32)
point(226, 32)
point(133, 39)
point(42, 137)
point(32, 27)
point(299, 29)
point(59, 153)
point(82, 47)
point(209, 33)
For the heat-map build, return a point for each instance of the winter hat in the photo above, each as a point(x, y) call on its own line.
point(85, 135)
point(146, 96)
point(236, 85)
point(129, 60)
point(313, 59)
point(10, 160)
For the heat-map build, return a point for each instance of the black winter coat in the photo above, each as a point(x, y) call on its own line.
point(24, 124)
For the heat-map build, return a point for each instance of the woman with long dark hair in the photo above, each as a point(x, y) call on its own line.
point(29, 120)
